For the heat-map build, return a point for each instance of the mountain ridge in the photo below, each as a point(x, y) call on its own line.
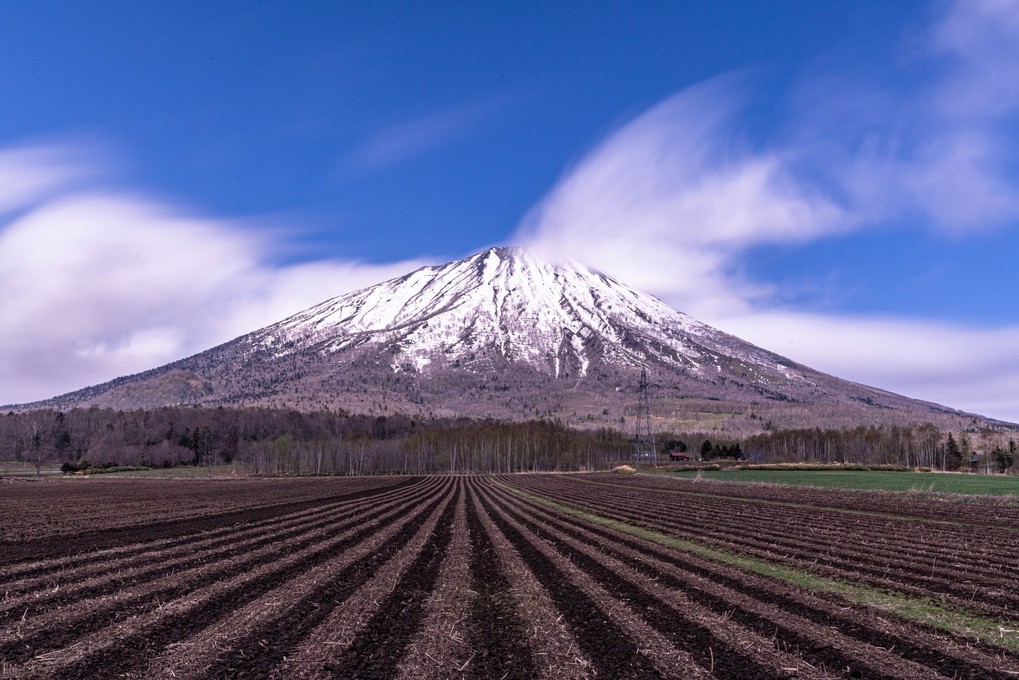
point(504, 334)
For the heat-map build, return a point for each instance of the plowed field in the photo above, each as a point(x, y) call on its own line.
point(525, 576)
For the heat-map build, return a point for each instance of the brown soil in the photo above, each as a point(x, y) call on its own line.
point(932, 559)
point(64, 517)
point(458, 578)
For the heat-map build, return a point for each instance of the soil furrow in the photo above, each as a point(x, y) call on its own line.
point(256, 654)
point(821, 558)
point(494, 631)
point(192, 657)
point(65, 593)
point(440, 646)
point(983, 510)
point(378, 647)
point(932, 543)
point(603, 642)
point(685, 632)
point(49, 548)
point(67, 628)
point(840, 614)
point(132, 651)
point(457, 577)
point(926, 540)
point(555, 651)
point(808, 642)
point(50, 573)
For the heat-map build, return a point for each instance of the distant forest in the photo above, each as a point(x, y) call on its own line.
point(336, 443)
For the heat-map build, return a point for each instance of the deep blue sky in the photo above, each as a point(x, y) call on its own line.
point(826, 165)
point(252, 108)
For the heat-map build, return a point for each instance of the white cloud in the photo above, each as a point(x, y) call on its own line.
point(980, 38)
point(674, 200)
point(30, 172)
point(98, 284)
point(677, 179)
point(410, 138)
point(976, 369)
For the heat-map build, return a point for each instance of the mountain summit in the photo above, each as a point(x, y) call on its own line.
point(504, 307)
point(505, 334)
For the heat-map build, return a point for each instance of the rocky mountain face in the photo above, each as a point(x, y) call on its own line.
point(506, 335)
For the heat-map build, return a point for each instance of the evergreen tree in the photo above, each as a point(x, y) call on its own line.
point(706, 449)
point(1004, 458)
point(953, 456)
point(965, 450)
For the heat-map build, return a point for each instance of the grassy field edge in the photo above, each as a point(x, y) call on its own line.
point(915, 481)
point(1004, 633)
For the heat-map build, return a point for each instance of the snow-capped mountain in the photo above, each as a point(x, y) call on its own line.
point(500, 333)
point(507, 307)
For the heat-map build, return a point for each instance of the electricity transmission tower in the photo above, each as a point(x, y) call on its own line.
point(644, 442)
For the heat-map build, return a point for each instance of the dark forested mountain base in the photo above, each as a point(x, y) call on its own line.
point(324, 442)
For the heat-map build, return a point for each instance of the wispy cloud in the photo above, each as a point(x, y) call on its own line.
point(28, 173)
point(973, 368)
point(675, 200)
point(99, 283)
point(680, 178)
point(412, 138)
point(977, 38)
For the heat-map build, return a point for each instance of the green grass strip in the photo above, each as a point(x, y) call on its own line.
point(790, 504)
point(924, 610)
point(874, 480)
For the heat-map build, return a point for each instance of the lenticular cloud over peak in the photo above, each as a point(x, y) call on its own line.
point(674, 194)
point(675, 201)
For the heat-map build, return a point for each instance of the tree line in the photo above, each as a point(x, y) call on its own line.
point(279, 441)
point(925, 446)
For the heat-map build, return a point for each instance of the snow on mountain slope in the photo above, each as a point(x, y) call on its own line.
point(558, 319)
point(504, 334)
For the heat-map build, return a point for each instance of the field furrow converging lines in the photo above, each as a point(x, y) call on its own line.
point(67, 545)
point(381, 643)
point(495, 628)
point(822, 633)
point(125, 646)
point(603, 627)
point(916, 535)
point(706, 635)
point(824, 556)
point(51, 629)
point(63, 588)
point(555, 651)
point(280, 624)
point(440, 646)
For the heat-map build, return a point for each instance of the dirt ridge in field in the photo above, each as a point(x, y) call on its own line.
point(68, 625)
point(981, 510)
point(72, 584)
point(831, 544)
point(379, 646)
point(16, 551)
point(608, 648)
point(522, 582)
point(495, 624)
point(178, 626)
point(720, 588)
point(684, 631)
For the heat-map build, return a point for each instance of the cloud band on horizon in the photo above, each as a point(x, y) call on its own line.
point(101, 283)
